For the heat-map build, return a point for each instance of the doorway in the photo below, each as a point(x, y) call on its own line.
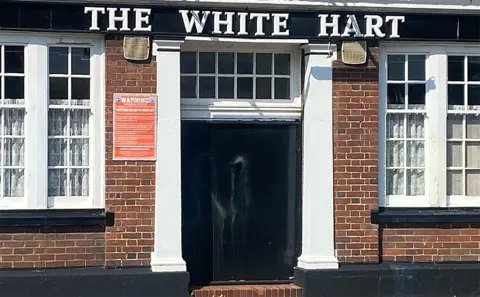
point(240, 200)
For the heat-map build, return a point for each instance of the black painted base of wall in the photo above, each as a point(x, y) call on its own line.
point(392, 279)
point(93, 282)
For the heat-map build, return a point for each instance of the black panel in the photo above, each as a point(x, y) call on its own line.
point(93, 282)
point(429, 215)
point(166, 21)
point(392, 280)
point(56, 217)
point(239, 199)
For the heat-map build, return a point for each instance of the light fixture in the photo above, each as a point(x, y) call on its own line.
point(136, 48)
point(354, 52)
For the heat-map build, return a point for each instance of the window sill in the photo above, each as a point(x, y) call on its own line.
point(428, 215)
point(56, 218)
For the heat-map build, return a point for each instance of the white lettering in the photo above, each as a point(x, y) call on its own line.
point(194, 19)
point(280, 22)
point(243, 23)
point(395, 20)
point(123, 18)
point(141, 18)
point(370, 26)
point(260, 17)
point(94, 11)
point(217, 22)
point(324, 25)
point(352, 27)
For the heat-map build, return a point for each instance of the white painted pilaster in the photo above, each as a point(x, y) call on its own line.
point(167, 254)
point(318, 248)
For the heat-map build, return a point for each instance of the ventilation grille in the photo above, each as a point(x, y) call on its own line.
point(136, 48)
point(354, 52)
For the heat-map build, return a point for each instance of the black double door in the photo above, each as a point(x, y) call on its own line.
point(240, 206)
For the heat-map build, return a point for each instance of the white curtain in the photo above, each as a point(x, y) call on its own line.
point(405, 153)
point(13, 152)
point(69, 152)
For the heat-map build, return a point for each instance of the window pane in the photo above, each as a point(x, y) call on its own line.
point(79, 122)
point(473, 68)
point(57, 122)
point(473, 127)
point(415, 154)
point(14, 122)
point(416, 182)
point(454, 182)
point(188, 88)
point(57, 152)
point(395, 153)
point(473, 182)
point(416, 126)
point(226, 63)
point(188, 62)
point(13, 180)
point(416, 67)
point(456, 68)
point(14, 59)
point(455, 126)
point(395, 125)
point(264, 63)
point(473, 97)
point(58, 60)
point(79, 152)
point(58, 90)
point(282, 88)
point(206, 87)
point(395, 182)
point(264, 88)
point(456, 98)
point(396, 67)
point(57, 182)
point(245, 88)
point(226, 87)
point(13, 152)
point(244, 63)
point(473, 154)
point(14, 89)
point(416, 96)
point(454, 154)
point(396, 96)
point(80, 61)
point(282, 64)
point(79, 182)
point(206, 63)
point(80, 91)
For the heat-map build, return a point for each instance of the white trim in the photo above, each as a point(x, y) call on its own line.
point(167, 251)
point(318, 236)
point(36, 121)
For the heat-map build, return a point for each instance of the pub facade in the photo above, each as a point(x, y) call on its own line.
point(203, 148)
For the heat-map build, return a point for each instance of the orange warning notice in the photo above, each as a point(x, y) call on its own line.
point(134, 117)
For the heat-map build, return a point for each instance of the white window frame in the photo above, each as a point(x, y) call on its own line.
point(436, 73)
point(247, 109)
point(36, 121)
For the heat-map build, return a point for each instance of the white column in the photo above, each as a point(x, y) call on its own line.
point(167, 254)
point(318, 249)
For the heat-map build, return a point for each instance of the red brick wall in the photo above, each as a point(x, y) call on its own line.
point(437, 243)
point(130, 186)
point(129, 193)
point(355, 136)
